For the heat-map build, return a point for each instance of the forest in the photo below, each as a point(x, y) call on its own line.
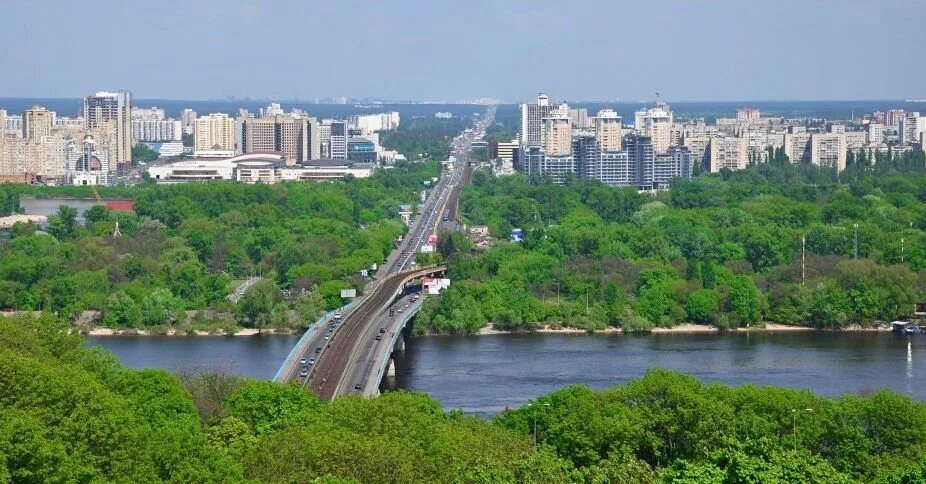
point(73, 414)
point(185, 247)
point(424, 138)
point(775, 243)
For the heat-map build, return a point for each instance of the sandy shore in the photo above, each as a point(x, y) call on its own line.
point(684, 328)
point(175, 332)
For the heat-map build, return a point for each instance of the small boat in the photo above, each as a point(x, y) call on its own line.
point(905, 327)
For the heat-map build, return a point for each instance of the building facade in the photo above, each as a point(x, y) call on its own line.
point(214, 132)
point(112, 110)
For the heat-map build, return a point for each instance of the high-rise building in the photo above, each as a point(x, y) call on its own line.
point(152, 113)
point(579, 118)
point(797, 146)
point(642, 156)
point(828, 149)
point(288, 135)
point(892, 117)
point(156, 130)
point(608, 130)
point(728, 152)
point(37, 122)
point(531, 120)
point(337, 145)
point(503, 150)
point(556, 137)
point(114, 111)
point(215, 132)
point(188, 118)
point(700, 149)
point(747, 114)
point(911, 125)
point(875, 133)
point(655, 123)
point(585, 151)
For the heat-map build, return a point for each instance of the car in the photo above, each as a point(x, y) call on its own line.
point(358, 386)
point(392, 311)
point(327, 337)
point(301, 361)
point(382, 330)
point(318, 350)
point(379, 337)
point(303, 372)
point(305, 368)
point(312, 361)
point(399, 310)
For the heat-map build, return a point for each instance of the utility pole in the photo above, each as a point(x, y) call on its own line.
point(586, 300)
point(803, 259)
point(901, 250)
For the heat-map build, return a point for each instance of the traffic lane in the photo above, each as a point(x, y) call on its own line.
point(316, 341)
point(364, 372)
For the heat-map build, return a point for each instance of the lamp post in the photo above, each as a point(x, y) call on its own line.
point(794, 422)
point(535, 420)
point(803, 258)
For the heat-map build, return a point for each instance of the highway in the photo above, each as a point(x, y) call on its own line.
point(337, 354)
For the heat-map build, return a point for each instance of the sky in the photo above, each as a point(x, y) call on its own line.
point(442, 50)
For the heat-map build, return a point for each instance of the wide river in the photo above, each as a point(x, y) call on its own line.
point(484, 374)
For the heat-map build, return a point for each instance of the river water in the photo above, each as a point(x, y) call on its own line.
point(484, 374)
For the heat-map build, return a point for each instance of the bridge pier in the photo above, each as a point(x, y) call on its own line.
point(390, 368)
point(399, 344)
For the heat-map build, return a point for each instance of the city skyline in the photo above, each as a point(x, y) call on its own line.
point(421, 51)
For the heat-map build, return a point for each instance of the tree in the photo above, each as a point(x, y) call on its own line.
point(122, 311)
point(257, 304)
point(142, 153)
point(62, 224)
point(701, 306)
point(745, 300)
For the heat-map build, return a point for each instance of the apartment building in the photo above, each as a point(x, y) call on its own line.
point(113, 110)
point(215, 132)
point(728, 152)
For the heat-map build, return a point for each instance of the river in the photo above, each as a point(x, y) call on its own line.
point(484, 374)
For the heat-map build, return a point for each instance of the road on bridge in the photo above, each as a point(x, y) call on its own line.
point(330, 354)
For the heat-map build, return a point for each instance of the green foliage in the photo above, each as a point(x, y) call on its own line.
point(68, 413)
point(142, 153)
point(184, 244)
point(722, 249)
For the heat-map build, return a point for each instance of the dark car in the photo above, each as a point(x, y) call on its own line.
point(378, 337)
point(318, 350)
point(382, 330)
point(358, 386)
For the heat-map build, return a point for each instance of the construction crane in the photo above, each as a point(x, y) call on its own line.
point(96, 194)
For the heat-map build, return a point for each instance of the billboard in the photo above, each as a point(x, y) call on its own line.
point(348, 293)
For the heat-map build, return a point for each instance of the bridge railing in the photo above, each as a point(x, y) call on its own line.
point(320, 322)
point(406, 317)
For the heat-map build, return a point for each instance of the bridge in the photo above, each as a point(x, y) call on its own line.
point(349, 350)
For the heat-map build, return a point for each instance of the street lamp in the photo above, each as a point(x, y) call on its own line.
point(535, 420)
point(856, 240)
point(794, 422)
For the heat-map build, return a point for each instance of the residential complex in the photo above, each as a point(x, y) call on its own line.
point(658, 147)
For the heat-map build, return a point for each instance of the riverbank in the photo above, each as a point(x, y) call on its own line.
point(182, 332)
point(685, 328)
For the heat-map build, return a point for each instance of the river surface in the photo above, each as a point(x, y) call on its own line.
point(484, 374)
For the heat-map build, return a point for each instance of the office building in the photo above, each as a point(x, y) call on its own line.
point(215, 132)
point(361, 150)
point(282, 134)
point(608, 130)
point(728, 152)
point(37, 122)
point(828, 149)
point(112, 111)
point(655, 123)
point(337, 142)
point(156, 130)
point(503, 150)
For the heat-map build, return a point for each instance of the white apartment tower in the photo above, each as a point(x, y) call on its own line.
point(557, 133)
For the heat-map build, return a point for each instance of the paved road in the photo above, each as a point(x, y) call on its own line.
point(239, 291)
point(336, 354)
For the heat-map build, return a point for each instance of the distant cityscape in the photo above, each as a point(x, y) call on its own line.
point(553, 139)
point(96, 148)
point(557, 141)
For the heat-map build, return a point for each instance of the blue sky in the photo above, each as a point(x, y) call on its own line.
point(577, 50)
